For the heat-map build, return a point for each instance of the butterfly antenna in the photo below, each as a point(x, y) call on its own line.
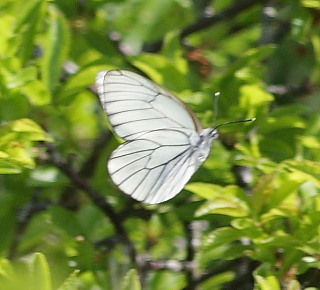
point(235, 122)
point(215, 106)
point(215, 113)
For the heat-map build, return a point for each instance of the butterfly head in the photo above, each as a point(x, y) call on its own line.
point(213, 134)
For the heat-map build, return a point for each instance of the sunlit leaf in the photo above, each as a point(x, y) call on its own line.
point(306, 169)
point(28, 22)
point(72, 282)
point(56, 48)
point(230, 206)
point(41, 275)
point(131, 281)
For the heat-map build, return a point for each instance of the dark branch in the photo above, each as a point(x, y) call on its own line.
point(243, 267)
point(88, 168)
point(95, 197)
point(24, 216)
point(205, 22)
point(69, 197)
point(274, 28)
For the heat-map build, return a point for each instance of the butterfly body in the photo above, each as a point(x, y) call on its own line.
point(204, 145)
point(165, 143)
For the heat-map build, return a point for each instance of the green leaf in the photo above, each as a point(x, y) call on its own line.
point(254, 95)
point(222, 236)
point(280, 239)
point(229, 200)
point(216, 281)
point(209, 191)
point(249, 228)
point(8, 167)
point(267, 283)
point(26, 125)
point(22, 130)
point(28, 20)
point(262, 190)
point(56, 48)
point(253, 55)
point(131, 281)
point(272, 189)
point(311, 142)
point(293, 285)
point(66, 221)
point(170, 74)
point(222, 251)
point(282, 122)
point(226, 205)
point(276, 213)
point(308, 262)
point(72, 282)
point(306, 170)
point(16, 80)
point(7, 49)
point(37, 93)
point(16, 144)
point(19, 156)
point(78, 82)
point(40, 273)
point(6, 273)
point(205, 190)
point(311, 4)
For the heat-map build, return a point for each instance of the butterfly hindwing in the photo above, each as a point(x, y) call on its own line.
point(153, 169)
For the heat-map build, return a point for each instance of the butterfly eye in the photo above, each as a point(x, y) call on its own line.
point(213, 133)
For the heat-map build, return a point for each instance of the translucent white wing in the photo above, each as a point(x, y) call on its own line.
point(135, 105)
point(165, 142)
point(157, 165)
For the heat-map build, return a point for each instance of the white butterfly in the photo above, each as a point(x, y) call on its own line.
point(165, 143)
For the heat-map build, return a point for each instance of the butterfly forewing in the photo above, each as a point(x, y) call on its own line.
point(164, 144)
point(134, 104)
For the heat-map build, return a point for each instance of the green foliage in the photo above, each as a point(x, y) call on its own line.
point(17, 138)
point(131, 281)
point(33, 273)
point(249, 218)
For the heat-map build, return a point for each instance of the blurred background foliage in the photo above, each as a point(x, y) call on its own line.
point(249, 218)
